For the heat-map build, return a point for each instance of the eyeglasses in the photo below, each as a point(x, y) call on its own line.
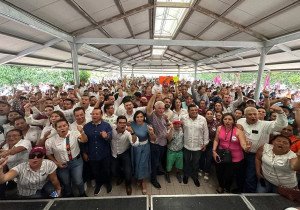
point(34, 155)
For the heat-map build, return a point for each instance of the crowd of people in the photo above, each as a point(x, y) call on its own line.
point(132, 130)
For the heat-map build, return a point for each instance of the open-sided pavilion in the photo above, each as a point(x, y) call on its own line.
point(158, 36)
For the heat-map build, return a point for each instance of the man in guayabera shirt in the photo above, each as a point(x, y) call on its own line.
point(159, 122)
point(257, 133)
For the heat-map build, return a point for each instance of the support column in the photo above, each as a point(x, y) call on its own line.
point(262, 62)
point(121, 69)
point(196, 69)
point(75, 62)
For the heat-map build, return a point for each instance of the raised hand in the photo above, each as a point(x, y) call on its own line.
point(104, 134)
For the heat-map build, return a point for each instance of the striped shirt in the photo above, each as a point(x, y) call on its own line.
point(30, 181)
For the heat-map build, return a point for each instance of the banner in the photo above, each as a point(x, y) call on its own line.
point(218, 80)
point(168, 79)
point(267, 81)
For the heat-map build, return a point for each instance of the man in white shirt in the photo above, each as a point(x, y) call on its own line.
point(120, 149)
point(257, 133)
point(85, 103)
point(4, 110)
point(195, 134)
point(31, 133)
point(109, 115)
point(156, 87)
point(230, 106)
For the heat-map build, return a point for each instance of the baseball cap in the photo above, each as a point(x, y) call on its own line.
point(165, 85)
point(176, 122)
point(41, 150)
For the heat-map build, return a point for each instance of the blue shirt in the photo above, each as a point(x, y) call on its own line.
point(97, 147)
point(141, 131)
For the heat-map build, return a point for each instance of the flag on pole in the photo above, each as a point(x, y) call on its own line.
point(267, 81)
point(217, 80)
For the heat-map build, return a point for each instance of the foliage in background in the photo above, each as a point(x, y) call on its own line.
point(291, 79)
point(10, 75)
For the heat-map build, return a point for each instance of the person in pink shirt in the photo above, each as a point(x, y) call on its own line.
point(231, 138)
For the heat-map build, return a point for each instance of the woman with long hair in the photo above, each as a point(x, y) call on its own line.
point(233, 140)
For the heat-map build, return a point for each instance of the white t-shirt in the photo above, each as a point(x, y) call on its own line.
point(33, 134)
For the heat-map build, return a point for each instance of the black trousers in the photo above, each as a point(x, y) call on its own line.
point(158, 158)
point(121, 166)
point(226, 173)
point(101, 170)
point(191, 160)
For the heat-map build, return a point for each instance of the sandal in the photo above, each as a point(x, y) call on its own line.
point(144, 191)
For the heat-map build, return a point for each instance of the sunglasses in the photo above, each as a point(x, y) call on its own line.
point(38, 155)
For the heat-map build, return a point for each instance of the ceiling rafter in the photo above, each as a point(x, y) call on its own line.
point(121, 10)
point(113, 19)
point(79, 9)
point(179, 53)
point(229, 22)
point(185, 19)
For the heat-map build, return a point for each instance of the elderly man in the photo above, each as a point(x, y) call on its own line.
point(158, 149)
point(195, 137)
point(257, 133)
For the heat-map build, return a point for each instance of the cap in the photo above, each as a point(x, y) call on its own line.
point(176, 122)
point(38, 150)
point(165, 85)
point(250, 99)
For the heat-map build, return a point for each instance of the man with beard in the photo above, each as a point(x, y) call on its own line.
point(168, 112)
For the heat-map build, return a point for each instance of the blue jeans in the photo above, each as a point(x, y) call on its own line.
point(268, 188)
point(72, 174)
point(250, 174)
point(45, 192)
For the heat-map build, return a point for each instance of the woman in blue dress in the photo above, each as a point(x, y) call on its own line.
point(141, 154)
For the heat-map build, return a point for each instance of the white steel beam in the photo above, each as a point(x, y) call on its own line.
point(173, 4)
point(75, 63)
point(13, 13)
point(283, 39)
point(99, 52)
point(158, 63)
point(29, 50)
point(161, 42)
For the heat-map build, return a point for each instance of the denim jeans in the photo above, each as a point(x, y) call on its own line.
point(71, 174)
point(206, 158)
point(121, 166)
point(268, 188)
point(45, 192)
point(191, 162)
point(250, 173)
point(158, 155)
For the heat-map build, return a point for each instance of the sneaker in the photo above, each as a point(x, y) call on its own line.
point(155, 184)
point(196, 182)
point(185, 180)
point(128, 190)
point(168, 178)
point(119, 181)
point(200, 173)
point(179, 177)
point(206, 177)
point(108, 188)
point(97, 190)
point(85, 186)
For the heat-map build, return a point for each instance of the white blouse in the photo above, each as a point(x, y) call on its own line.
point(276, 168)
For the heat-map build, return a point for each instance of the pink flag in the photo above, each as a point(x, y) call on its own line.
point(217, 80)
point(267, 81)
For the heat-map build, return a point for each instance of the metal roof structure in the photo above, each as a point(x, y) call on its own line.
point(158, 36)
